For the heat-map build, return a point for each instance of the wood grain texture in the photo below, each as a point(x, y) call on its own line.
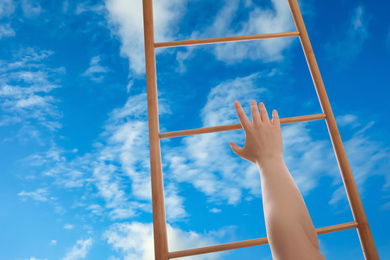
point(366, 239)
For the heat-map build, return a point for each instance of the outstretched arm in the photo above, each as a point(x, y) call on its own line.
point(290, 231)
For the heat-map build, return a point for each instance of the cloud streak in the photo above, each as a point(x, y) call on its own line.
point(80, 250)
point(26, 86)
point(95, 72)
point(38, 195)
point(117, 170)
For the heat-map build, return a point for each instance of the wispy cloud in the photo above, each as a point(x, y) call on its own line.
point(87, 7)
point(53, 242)
point(308, 159)
point(6, 30)
point(227, 178)
point(69, 226)
point(25, 91)
point(386, 206)
point(79, 250)
point(207, 163)
point(261, 20)
point(39, 194)
point(349, 43)
point(348, 120)
point(95, 72)
point(42, 195)
point(224, 177)
point(7, 7)
point(359, 148)
point(367, 157)
point(117, 170)
point(31, 9)
point(135, 240)
point(126, 21)
point(215, 210)
point(174, 203)
point(276, 18)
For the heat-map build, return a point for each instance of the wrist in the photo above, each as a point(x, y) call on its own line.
point(269, 160)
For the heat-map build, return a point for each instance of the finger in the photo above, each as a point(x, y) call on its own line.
point(255, 113)
point(263, 112)
point(241, 115)
point(275, 117)
point(236, 149)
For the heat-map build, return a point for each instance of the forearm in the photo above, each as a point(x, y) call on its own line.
point(286, 216)
point(290, 231)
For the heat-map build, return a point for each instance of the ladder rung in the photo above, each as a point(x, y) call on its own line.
point(252, 242)
point(214, 129)
point(225, 39)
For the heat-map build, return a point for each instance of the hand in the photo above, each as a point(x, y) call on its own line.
point(263, 137)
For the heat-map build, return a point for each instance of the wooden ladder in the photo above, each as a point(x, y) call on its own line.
point(159, 218)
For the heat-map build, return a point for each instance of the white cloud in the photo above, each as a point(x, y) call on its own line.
point(386, 206)
point(25, 90)
point(173, 203)
point(307, 159)
point(69, 226)
point(347, 119)
point(53, 242)
point(86, 7)
point(39, 195)
point(261, 20)
point(215, 210)
point(126, 21)
point(34, 258)
point(167, 14)
point(361, 147)
point(135, 240)
point(96, 209)
point(227, 178)
point(351, 43)
point(118, 167)
point(367, 158)
point(95, 72)
point(6, 30)
point(206, 160)
point(31, 9)
point(79, 250)
point(7, 7)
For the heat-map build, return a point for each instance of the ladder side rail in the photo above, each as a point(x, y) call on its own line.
point(158, 204)
point(252, 242)
point(365, 236)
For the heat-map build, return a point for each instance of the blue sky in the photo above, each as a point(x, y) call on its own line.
point(75, 180)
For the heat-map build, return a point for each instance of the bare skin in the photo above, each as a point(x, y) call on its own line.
point(290, 230)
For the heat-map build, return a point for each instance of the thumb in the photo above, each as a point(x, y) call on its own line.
point(236, 149)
